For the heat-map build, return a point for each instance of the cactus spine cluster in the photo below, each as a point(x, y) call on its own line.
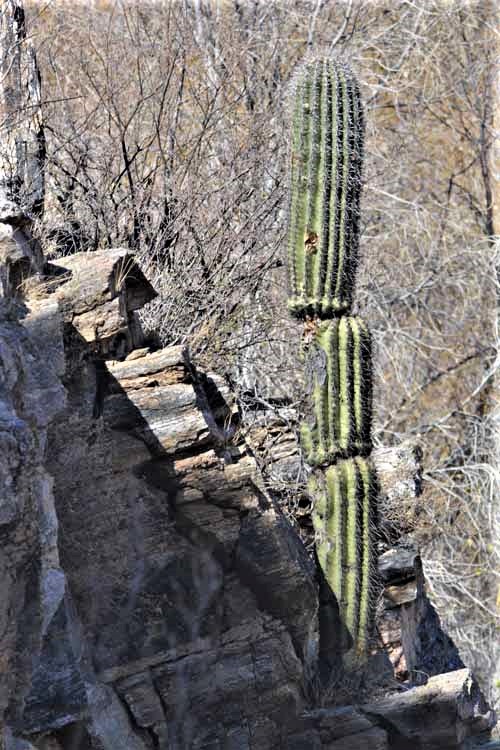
point(327, 145)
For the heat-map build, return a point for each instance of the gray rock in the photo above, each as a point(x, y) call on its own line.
point(373, 739)
point(142, 699)
point(16, 743)
point(408, 626)
point(398, 564)
point(437, 716)
point(308, 740)
point(109, 721)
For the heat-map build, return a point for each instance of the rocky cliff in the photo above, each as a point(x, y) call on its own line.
point(153, 592)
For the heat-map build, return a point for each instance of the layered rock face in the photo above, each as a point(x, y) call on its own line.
point(180, 604)
point(157, 596)
point(31, 394)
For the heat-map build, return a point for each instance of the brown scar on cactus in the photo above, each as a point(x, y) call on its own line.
point(311, 242)
point(310, 329)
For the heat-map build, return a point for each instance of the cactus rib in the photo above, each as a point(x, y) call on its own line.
point(344, 519)
point(327, 144)
point(339, 361)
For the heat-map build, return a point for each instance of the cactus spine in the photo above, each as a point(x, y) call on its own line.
point(326, 155)
point(327, 142)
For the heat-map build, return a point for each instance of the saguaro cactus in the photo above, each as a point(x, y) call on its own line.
point(327, 144)
point(340, 369)
point(344, 518)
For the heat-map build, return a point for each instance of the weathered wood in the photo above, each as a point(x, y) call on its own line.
point(142, 369)
point(98, 294)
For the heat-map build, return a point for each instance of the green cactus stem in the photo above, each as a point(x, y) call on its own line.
point(339, 364)
point(344, 519)
point(326, 155)
point(327, 145)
